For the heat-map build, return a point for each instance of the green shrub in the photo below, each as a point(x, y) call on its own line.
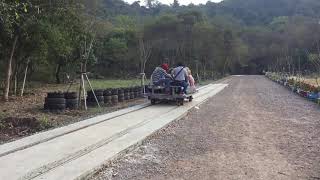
point(44, 123)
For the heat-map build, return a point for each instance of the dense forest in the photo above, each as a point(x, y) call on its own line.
point(48, 40)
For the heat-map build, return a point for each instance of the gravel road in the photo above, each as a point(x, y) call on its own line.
point(254, 129)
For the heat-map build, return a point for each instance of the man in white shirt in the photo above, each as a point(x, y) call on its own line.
point(180, 76)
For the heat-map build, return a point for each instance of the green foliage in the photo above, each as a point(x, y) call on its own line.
point(44, 123)
point(234, 36)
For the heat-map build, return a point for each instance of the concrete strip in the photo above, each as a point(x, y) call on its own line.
point(50, 153)
point(51, 134)
point(86, 165)
point(60, 151)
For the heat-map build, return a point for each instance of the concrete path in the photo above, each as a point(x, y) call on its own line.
point(77, 150)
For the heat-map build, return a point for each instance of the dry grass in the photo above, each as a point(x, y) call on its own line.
point(310, 80)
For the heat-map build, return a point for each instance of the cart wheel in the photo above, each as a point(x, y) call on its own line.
point(153, 101)
point(190, 98)
point(180, 102)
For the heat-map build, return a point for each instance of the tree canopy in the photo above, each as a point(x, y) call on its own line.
point(116, 39)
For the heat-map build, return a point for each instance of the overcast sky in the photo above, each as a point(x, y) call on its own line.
point(182, 2)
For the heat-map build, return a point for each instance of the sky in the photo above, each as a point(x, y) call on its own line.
point(182, 2)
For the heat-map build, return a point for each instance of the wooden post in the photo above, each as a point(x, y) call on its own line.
point(80, 87)
point(94, 94)
point(84, 93)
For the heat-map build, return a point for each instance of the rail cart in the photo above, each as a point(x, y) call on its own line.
point(173, 93)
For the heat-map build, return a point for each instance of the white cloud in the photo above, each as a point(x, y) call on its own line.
point(182, 2)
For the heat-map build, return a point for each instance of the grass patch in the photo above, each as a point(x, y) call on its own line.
point(44, 123)
point(96, 84)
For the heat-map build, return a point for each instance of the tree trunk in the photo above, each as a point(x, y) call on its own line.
point(15, 83)
point(58, 69)
point(9, 71)
point(24, 78)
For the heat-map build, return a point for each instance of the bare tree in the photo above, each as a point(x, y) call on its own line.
point(145, 53)
point(9, 71)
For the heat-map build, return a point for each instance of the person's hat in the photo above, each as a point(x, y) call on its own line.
point(165, 66)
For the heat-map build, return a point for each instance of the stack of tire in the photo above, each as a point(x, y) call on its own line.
point(120, 95)
point(114, 96)
point(55, 101)
point(107, 97)
point(136, 92)
point(71, 100)
point(91, 101)
point(139, 91)
point(131, 93)
point(126, 94)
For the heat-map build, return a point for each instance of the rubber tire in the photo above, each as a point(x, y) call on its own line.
point(96, 92)
point(70, 95)
point(71, 101)
point(190, 99)
point(72, 106)
point(56, 106)
point(107, 92)
point(55, 101)
point(55, 95)
point(180, 102)
point(92, 99)
point(45, 106)
point(114, 92)
point(153, 101)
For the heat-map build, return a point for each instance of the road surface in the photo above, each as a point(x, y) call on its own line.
point(254, 129)
point(76, 150)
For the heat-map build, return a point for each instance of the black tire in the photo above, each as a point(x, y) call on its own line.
point(153, 101)
point(126, 96)
point(180, 102)
point(55, 101)
point(72, 106)
point(107, 99)
point(107, 92)
point(121, 97)
point(96, 92)
point(45, 106)
point(70, 95)
point(55, 95)
point(92, 99)
point(132, 95)
point(114, 92)
point(71, 101)
point(56, 106)
point(190, 99)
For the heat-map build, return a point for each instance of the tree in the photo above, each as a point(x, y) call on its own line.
point(14, 15)
point(175, 4)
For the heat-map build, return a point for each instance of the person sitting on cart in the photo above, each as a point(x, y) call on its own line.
point(160, 76)
point(192, 86)
point(180, 76)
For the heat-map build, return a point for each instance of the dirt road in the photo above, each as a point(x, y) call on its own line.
point(254, 129)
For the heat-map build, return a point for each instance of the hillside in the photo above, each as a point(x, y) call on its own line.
point(231, 37)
